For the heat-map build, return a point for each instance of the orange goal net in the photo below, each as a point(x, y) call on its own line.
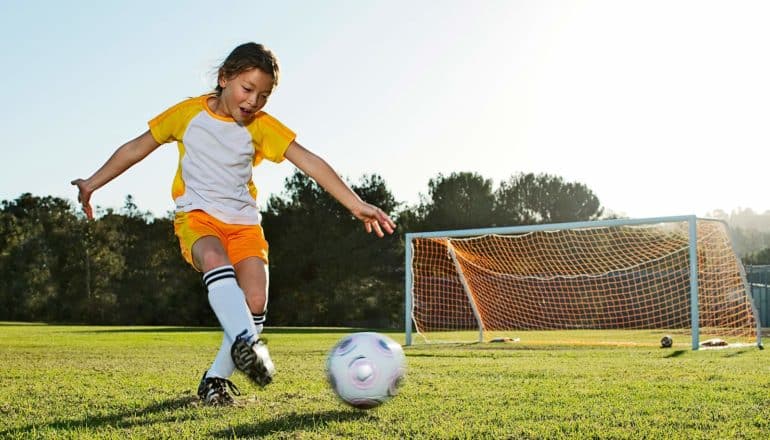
point(615, 274)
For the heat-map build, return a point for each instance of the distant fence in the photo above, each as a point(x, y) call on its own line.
point(759, 280)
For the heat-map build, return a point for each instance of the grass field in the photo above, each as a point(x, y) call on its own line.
point(140, 382)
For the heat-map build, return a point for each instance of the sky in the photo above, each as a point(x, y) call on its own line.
point(659, 107)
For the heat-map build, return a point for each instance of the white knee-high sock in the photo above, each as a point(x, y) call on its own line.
point(229, 304)
point(223, 365)
point(259, 321)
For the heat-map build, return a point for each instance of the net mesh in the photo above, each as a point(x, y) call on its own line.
point(623, 277)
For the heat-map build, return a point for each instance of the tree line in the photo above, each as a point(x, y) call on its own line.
point(125, 267)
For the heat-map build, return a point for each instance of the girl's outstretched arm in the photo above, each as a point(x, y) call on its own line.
point(122, 159)
point(373, 217)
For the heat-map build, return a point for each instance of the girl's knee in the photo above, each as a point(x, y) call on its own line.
point(208, 254)
point(256, 300)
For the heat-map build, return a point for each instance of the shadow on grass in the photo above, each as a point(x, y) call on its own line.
point(268, 330)
point(319, 330)
point(290, 423)
point(127, 419)
point(165, 412)
point(731, 353)
point(675, 353)
point(152, 330)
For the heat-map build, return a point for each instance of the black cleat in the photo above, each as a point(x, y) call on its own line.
point(213, 391)
point(253, 359)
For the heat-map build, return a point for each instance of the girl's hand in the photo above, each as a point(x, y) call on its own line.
point(84, 197)
point(122, 159)
point(374, 218)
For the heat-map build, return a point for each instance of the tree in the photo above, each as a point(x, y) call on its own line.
point(37, 248)
point(324, 270)
point(543, 198)
point(466, 200)
point(138, 275)
point(758, 258)
point(749, 241)
point(57, 266)
point(125, 268)
point(458, 201)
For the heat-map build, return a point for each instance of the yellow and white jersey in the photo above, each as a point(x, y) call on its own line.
point(216, 156)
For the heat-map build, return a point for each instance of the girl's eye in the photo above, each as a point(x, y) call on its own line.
point(246, 89)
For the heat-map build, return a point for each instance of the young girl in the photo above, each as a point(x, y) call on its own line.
point(221, 136)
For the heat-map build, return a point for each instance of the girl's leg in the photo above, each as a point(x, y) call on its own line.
point(255, 361)
point(225, 296)
point(254, 279)
point(249, 354)
point(223, 365)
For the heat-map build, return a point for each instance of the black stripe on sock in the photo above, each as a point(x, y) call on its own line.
point(259, 319)
point(218, 270)
point(221, 277)
point(218, 274)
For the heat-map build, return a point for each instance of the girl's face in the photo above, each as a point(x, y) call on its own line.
point(244, 95)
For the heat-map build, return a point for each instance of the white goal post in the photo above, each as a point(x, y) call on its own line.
point(676, 273)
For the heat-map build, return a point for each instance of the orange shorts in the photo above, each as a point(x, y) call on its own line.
point(239, 241)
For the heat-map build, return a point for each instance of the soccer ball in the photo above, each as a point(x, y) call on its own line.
point(666, 342)
point(366, 369)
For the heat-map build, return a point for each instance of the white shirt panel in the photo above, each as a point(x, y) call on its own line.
point(216, 169)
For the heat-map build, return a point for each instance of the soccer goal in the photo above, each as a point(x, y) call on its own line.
point(647, 277)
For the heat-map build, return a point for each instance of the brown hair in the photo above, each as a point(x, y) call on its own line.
point(245, 57)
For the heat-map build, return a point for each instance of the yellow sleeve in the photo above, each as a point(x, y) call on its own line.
point(271, 138)
point(171, 124)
